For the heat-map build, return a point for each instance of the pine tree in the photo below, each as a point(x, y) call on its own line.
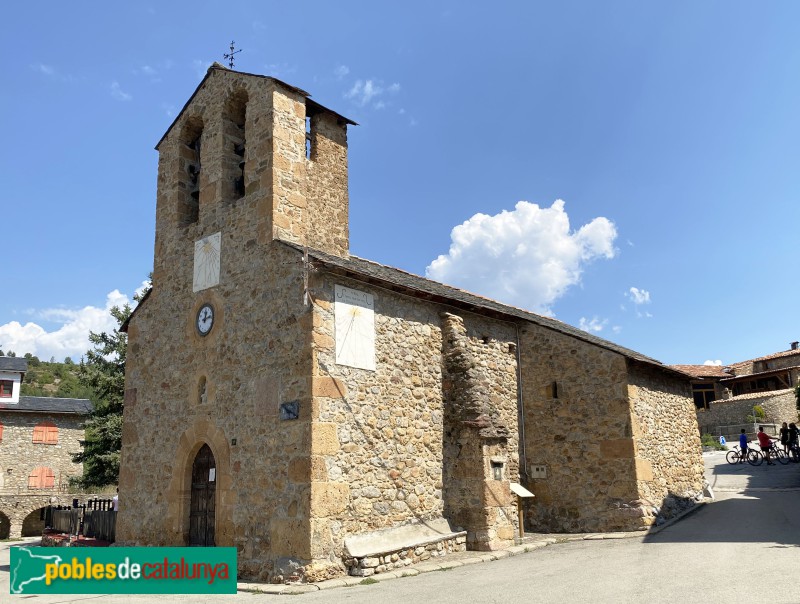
point(103, 371)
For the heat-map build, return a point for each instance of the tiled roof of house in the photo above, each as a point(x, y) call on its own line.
point(703, 371)
point(16, 364)
point(396, 279)
point(777, 355)
point(751, 395)
point(44, 404)
point(758, 373)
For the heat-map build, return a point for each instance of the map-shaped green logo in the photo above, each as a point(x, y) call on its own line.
point(28, 568)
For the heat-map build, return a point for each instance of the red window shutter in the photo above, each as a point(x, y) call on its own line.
point(50, 435)
point(1, 431)
point(41, 478)
point(45, 433)
point(38, 433)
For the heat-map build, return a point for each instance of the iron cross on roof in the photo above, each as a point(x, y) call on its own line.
point(229, 55)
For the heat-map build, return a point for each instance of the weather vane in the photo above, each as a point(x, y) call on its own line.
point(229, 55)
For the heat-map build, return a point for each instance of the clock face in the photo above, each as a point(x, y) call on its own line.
point(205, 319)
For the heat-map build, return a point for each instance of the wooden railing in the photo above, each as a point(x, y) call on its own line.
point(96, 519)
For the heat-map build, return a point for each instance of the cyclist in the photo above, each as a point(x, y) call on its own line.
point(765, 442)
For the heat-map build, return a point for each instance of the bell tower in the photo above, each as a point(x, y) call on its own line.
point(251, 143)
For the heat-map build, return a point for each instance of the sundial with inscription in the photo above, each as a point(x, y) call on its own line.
point(354, 315)
point(206, 262)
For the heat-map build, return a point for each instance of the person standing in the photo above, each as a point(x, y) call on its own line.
point(784, 432)
point(793, 436)
point(115, 501)
point(765, 442)
point(743, 446)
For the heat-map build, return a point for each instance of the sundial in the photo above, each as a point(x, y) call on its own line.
point(354, 314)
point(206, 262)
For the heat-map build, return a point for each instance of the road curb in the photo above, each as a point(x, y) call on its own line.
point(463, 559)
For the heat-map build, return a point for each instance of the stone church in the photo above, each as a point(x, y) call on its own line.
point(326, 414)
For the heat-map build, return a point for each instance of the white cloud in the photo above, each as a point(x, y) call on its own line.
point(592, 325)
point(639, 296)
point(45, 69)
point(118, 94)
point(364, 92)
point(528, 257)
point(70, 338)
point(341, 71)
point(716, 363)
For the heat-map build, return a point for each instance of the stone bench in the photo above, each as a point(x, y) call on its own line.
point(389, 549)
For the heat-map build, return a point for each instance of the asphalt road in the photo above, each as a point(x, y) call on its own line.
point(743, 546)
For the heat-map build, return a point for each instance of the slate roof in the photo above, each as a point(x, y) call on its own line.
point(44, 404)
point(217, 67)
point(399, 280)
point(17, 364)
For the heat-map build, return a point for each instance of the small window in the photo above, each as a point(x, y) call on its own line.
point(552, 390)
point(45, 433)
point(41, 478)
point(308, 137)
point(6, 388)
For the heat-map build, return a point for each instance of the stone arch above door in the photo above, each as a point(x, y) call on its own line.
point(201, 432)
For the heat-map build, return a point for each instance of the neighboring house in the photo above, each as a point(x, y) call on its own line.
point(306, 406)
point(38, 435)
point(726, 395)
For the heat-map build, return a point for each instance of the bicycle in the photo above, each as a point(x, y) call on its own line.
point(756, 458)
point(794, 453)
point(736, 455)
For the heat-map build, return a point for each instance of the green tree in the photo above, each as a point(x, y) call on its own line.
point(103, 372)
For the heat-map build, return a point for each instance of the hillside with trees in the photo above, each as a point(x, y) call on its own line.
point(51, 378)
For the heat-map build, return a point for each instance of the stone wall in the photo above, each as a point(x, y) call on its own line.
point(19, 514)
point(328, 202)
point(384, 461)
point(577, 433)
point(19, 455)
point(779, 406)
point(400, 558)
point(668, 462)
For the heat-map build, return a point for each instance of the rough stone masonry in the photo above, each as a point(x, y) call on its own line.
point(341, 398)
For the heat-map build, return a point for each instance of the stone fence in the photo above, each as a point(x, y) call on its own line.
point(779, 406)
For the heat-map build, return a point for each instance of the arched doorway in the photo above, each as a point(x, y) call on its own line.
point(5, 526)
point(33, 525)
point(203, 500)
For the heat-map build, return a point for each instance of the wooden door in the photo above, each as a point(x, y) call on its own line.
point(204, 489)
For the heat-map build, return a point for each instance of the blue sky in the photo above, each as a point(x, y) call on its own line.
point(669, 131)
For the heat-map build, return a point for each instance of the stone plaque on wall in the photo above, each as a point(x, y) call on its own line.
point(354, 313)
point(206, 262)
